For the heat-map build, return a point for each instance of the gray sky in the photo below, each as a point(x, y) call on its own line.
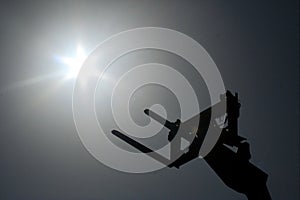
point(254, 44)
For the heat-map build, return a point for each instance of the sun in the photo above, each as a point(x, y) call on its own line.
point(74, 64)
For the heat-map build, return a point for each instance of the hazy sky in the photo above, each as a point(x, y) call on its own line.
point(255, 45)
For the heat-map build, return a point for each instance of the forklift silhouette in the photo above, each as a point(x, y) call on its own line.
point(233, 167)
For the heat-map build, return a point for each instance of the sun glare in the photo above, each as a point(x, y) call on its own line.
point(74, 63)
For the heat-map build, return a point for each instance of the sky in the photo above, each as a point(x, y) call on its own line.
point(255, 45)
